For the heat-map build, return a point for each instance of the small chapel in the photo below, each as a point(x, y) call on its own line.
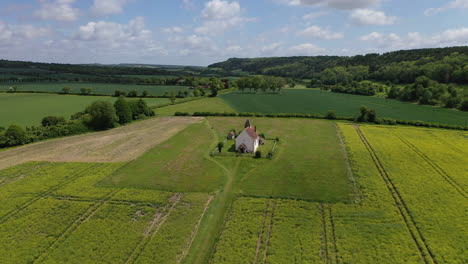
point(248, 140)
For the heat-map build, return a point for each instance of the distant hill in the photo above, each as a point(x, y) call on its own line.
point(307, 67)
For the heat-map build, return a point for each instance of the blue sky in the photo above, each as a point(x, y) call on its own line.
point(200, 32)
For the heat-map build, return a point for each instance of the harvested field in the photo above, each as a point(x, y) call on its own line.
point(115, 145)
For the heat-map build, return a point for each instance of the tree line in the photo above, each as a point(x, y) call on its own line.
point(100, 115)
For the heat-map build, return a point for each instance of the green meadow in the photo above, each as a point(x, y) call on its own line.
point(98, 88)
point(314, 101)
point(28, 109)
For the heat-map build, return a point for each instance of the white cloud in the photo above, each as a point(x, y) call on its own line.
point(271, 48)
point(452, 5)
point(371, 17)
point(412, 40)
point(319, 33)
point(60, 10)
point(221, 16)
point(15, 34)
point(337, 4)
point(306, 49)
point(188, 4)
point(108, 7)
point(314, 15)
point(173, 30)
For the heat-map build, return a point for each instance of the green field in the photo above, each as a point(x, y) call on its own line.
point(332, 193)
point(28, 109)
point(173, 165)
point(203, 105)
point(313, 101)
point(410, 208)
point(98, 88)
point(56, 215)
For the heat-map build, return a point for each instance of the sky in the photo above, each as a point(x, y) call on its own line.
point(201, 32)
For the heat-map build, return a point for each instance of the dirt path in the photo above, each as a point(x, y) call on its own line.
point(115, 145)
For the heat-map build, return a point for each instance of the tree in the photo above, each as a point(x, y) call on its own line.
point(258, 154)
point(123, 111)
point(132, 93)
point(52, 121)
point(172, 99)
point(85, 91)
point(220, 146)
point(119, 93)
point(14, 136)
point(371, 116)
point(144, 94)
point(363, 117)
point(196, 93)
point(66, 90)
point(331, 114)
point(464, 105)
point(102, 115)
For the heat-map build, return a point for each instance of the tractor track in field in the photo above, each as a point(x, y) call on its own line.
point(262, 232)
point(400, 204)
point(436, 167)
point(195, 230)
point(450, 145)
point(25, 205)
point(92, 210)
point(92, 200)
point(270, 228)
point(17, 178)
point(324, 254)
point(333, 234)
point(159, 219)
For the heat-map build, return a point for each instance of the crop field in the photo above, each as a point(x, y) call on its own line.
point(332, 193)
point(28, 109)
point(54, 213)
point(99, 88)
point(203, 105)
point(313, 101)
point(410, 208)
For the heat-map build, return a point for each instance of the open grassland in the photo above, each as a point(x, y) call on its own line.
point(203, 105)
point(178, 164)
point(99, 88)
point(119, 144)
point(313, 101)
point(308, 163)
point(54, 213)
point(28, 109)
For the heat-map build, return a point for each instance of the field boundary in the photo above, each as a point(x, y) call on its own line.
point(424, 250)
point(270, 228)
point(357, 193)
point(74, 226)
point(23, 206)
point(159, 219)
point(195, 230)
point(262, 231)
point(436, 167)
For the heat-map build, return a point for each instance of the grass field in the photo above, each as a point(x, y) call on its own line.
point(203, 105)
point(314, 101)
point(402, 200)
point(179, 164)
point(310, 152)
point(99, 88)
point(28, 109)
